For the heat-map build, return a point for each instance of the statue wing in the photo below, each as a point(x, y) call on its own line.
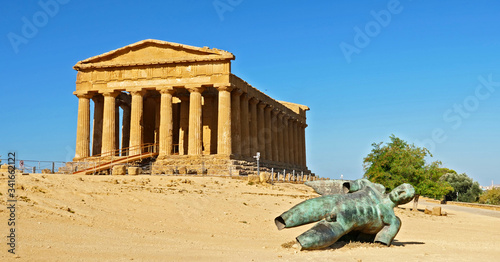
point(336, 186)
point(329, 187)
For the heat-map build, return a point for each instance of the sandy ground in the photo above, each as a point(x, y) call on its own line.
point(180, 218)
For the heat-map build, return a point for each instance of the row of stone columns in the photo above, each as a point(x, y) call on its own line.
point(259, 127)
point(245, 126)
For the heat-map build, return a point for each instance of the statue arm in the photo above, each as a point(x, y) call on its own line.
point(389, 231)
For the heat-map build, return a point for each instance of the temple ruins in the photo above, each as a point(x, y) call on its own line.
point(181, 107)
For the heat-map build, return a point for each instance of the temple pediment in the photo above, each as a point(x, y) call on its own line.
point(153, 52)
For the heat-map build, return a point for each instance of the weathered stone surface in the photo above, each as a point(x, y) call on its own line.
point(134, 171)
point(4, 168)
point(436, 211)
point(46, 171)
point(265, 177)
point(118, 170)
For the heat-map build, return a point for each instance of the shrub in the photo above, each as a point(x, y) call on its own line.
point(491, 197)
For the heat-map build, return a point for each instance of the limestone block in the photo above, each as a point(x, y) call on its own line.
point(4, 168)
point(253, 179)
point(46, 171)
point(436, 211)
point(265, 177)
point(134, 171)
point(118, 170)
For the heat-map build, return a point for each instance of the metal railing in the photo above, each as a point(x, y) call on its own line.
point(36, 166)
point(118, 156)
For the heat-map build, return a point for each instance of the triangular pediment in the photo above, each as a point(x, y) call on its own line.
point(153, 52)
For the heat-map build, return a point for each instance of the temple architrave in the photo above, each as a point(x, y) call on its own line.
point(186, 103)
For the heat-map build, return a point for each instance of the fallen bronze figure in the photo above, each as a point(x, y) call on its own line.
point(359, 208)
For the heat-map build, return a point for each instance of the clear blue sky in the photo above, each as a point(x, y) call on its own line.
point(364, 75)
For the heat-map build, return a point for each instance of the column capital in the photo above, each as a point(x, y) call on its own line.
point(286, 117)
point(253, 100)
point(245, 96)
point(86, 95)
point(224, 87)
point(281, 114)
point(166, 90)
point(111, 93)
point(262, 105)
point(195, 88)
point(138, 92)
point(275, 111)
point(268, 107)
point(237, 92)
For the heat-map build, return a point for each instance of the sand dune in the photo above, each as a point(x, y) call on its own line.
point(185, 218)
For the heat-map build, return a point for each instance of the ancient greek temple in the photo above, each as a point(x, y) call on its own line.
point(182, 105)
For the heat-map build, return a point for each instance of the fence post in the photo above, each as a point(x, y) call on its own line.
point(53, 167)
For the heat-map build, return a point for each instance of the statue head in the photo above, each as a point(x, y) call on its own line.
point(402, 194)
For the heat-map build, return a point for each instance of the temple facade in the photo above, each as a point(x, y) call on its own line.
point(185, 103)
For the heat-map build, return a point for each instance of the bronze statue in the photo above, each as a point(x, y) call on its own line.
point(366, 213)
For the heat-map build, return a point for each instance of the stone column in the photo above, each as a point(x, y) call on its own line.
point(253, 127)
point(184, 125)
point(136, 122)
point(125, 128)
point(224, 120)
point(245, 127)
point(166, 122)
point(97, 127)
point(117, 126)
point(83, 127)
point(291, 141)
point(261, 126)
point(303, 141)
point(286, 140)
point(267, 134)
point(296, 143)
point(281, 146)
point(236, 121)
point(195, 143)
point(274, 129)
point(109, 124)
point(157, 122)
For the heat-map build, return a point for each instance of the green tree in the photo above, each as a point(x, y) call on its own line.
point(467, 189)
point(398, 162)
point(491, 197)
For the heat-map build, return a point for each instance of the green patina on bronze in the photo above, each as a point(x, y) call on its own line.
point(365, 212)
point(332, 187)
